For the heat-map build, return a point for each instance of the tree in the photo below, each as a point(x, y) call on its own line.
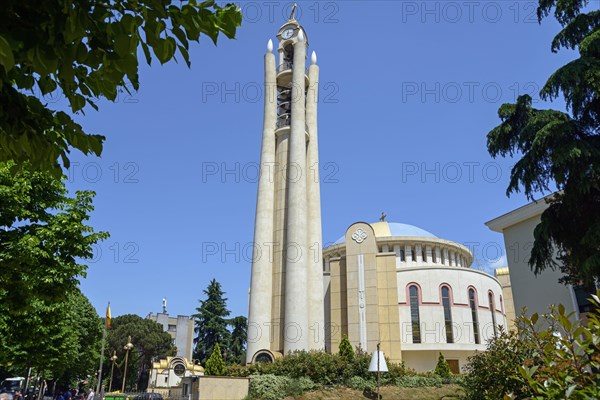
point(561, 148)
point(150, 342)
point(86, 50)
point(211, 323)
point(43, 236)
point(237, 343)
point(346, 351)
point(442, 368)
point(215, 364)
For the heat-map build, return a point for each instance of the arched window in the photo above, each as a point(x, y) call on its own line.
point(423, 254)
point(501, 305)
point(433, 255)
point(473, 305)
point(442, 255)
point(402, 258)
point(412, 254)
point(414, 313)
point(447, 314)
point(493, 311)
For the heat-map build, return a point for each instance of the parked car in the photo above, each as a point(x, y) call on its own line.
point(148, 396)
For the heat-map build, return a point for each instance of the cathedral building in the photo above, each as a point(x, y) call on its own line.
point(388, 283)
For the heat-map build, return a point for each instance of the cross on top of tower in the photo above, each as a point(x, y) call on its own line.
point(383, 215)
point(293, 11)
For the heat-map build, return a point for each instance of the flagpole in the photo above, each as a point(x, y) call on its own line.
point(102, 353)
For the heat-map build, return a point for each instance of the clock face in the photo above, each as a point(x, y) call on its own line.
point(288, 33)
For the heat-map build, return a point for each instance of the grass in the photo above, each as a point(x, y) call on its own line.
point(446, 392)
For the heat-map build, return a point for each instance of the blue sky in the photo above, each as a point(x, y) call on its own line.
point(409, 91)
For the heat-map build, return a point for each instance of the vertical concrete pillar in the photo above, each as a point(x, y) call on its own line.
point(296, 304)
point(259, 313)
point(316, 318)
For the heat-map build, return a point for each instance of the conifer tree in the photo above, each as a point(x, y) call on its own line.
point(237, 344)
point(211, 322)
point(442, 368)
point(346, 350)
point(215, 364)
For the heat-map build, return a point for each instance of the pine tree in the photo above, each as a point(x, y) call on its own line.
point(215, 364)
point(442, 368)
point(346, 350)
point(560, 151)
point(211, 322)
point(237, 344)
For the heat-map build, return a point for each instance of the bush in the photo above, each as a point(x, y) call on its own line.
point(442, 368)
point(360, 383)
point(419, 381)
point(268, 387)
point(553, 357)
point(346, 351)
point(273, 387)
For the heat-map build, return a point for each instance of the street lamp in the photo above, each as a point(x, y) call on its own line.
point(112, 369)
point(378, 365)
point(127, 347)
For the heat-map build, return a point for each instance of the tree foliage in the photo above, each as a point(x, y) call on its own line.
point(211, 322)
point(43, 235)
point(86, 50)
point(346, 351)
point(237, 342)
point(442, 368)
point(215, 364)
point(562, 148)
point(554, 356)
point(150, 342)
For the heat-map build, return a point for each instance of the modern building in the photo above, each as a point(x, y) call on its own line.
point(535, 293)
point(181, 329)
point(286, 289)
point(403, 287)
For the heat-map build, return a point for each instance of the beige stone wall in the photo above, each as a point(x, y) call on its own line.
point(507, 298)
point(389, 317)
point(220, 388)
point(337, 325)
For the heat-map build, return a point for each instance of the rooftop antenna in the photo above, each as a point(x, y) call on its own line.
point(164, 305)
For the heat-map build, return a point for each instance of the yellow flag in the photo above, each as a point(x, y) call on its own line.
point(108, 316)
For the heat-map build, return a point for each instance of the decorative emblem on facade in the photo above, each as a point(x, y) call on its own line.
point(359, 236)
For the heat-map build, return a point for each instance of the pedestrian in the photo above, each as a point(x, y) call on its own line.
point(91, 394)
point(60, 396)
point(5, 396)
point(18, 395)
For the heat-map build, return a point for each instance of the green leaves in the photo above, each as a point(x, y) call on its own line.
point(561, 151)
point(6, 55)
point(86, 51)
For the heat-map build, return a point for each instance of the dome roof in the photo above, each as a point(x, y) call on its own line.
point(387, 229)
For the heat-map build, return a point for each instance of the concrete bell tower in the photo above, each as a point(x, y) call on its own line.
point(286, 309)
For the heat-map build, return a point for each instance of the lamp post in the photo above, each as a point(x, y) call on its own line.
point(127, 347)
point(112, 369)
point(378, 365)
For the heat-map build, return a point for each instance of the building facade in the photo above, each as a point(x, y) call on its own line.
point(410, 291)
point(286, 296)
point(531, 292)
point(181, 329)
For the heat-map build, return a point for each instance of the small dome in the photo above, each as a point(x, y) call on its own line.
point(388, 229)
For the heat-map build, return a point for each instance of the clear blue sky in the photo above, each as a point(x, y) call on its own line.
point(406, 87)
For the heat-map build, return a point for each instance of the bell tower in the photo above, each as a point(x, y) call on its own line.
point(286, 309)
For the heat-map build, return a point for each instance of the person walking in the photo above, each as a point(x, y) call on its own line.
point(91, 394)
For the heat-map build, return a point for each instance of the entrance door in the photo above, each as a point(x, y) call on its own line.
point(454, 367)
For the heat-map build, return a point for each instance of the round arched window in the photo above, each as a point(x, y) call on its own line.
point(179, 369)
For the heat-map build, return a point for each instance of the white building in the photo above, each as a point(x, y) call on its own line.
point(409, 290)
point(181, 329)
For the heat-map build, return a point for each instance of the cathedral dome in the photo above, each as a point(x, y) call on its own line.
point(391, 229)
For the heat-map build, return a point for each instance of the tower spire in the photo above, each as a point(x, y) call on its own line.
point(293, 11)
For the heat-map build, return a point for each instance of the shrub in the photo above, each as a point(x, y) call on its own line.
point(346, 351)
point(360, 383)
point(215, 364)
point(268, 387)
point(553, 357)
point(442, 368)
point(419, 381)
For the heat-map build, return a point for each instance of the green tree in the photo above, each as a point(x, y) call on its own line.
point(561, 148)
point(211, 322)
point(346, 351)
point(150, 342)
point(236, 350)
point(43, 237)
point(442, 368)
point(215, 364)
point(86, 50)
